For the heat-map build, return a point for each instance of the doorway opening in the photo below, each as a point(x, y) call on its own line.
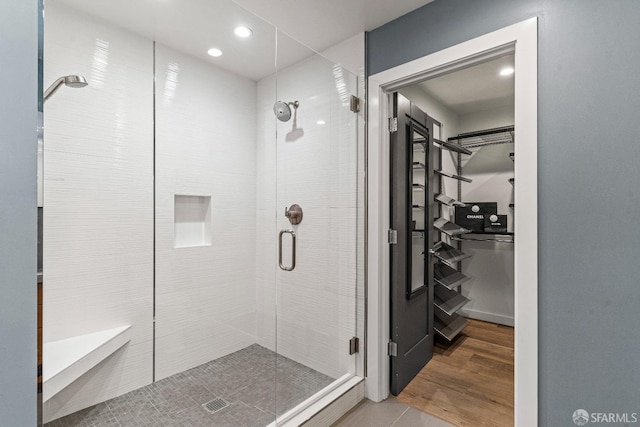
point(520, 41)
point(461, 242)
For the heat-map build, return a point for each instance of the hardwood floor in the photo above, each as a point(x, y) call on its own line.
point(470, 382)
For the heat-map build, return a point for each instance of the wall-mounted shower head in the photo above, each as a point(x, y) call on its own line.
point(71, 81)
point(282, 110)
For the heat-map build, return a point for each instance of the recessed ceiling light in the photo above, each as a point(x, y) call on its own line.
point(243, 32)
point(214, 51)
point(321, 122)
point(507, 71)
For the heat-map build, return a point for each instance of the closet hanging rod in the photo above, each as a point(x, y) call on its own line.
point(484, 132)
point(502, 135)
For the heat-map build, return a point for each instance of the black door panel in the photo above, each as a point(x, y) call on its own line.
point(411, 296)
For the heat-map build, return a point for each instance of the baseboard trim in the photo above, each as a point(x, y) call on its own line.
point(488, 317)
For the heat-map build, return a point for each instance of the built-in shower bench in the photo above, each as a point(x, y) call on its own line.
point(64, 361)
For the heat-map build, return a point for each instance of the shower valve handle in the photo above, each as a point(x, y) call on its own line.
point(294, 213)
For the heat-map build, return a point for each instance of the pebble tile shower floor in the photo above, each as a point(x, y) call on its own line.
point(255, 381)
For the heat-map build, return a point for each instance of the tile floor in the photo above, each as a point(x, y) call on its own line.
point(255, 381)
point(388, 413)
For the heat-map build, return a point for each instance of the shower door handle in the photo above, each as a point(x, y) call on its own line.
point(293, 250)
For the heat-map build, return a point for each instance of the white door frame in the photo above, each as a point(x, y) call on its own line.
point(523, 37)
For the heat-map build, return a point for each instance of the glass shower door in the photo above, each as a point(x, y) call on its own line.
point(316, 225)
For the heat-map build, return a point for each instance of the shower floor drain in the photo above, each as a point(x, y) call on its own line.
point(215, 405)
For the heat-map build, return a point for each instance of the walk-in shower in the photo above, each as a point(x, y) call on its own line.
point(73, 81)
point(162, 212)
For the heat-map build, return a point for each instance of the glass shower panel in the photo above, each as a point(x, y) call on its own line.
point(317, 158)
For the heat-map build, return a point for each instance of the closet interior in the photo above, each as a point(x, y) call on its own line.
point(474, 229)
point(472, 180)
point(473, 151)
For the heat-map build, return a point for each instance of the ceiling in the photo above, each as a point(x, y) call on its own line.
point(194, 26)
point(320, 24)
point(474, 88)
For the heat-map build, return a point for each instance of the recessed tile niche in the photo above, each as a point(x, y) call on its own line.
point(192, 221)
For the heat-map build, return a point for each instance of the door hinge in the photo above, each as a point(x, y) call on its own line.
point(393, 237)
point(392, 350)
point(393, 124)
point(354, 345)
point(355, 104)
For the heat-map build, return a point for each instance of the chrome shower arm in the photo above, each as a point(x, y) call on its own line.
point(53, 88)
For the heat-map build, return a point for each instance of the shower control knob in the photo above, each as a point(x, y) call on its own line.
point(294, 213)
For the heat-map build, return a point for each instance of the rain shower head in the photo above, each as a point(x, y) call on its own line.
point(282, 111)
point(74, 81)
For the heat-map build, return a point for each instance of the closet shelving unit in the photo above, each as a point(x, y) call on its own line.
point(476, 140)
point(447, 298)
point(447, 275)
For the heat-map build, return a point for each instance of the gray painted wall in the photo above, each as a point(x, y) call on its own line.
point(589, 183)
point(18, 142)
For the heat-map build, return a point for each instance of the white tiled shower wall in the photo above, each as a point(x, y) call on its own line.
point(98, 200)
point(205, 146)
point(214, 138)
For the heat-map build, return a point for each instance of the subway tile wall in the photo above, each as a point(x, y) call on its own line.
point(205, 146)
point(98, 200)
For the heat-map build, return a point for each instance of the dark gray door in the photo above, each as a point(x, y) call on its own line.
point(411, 217)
